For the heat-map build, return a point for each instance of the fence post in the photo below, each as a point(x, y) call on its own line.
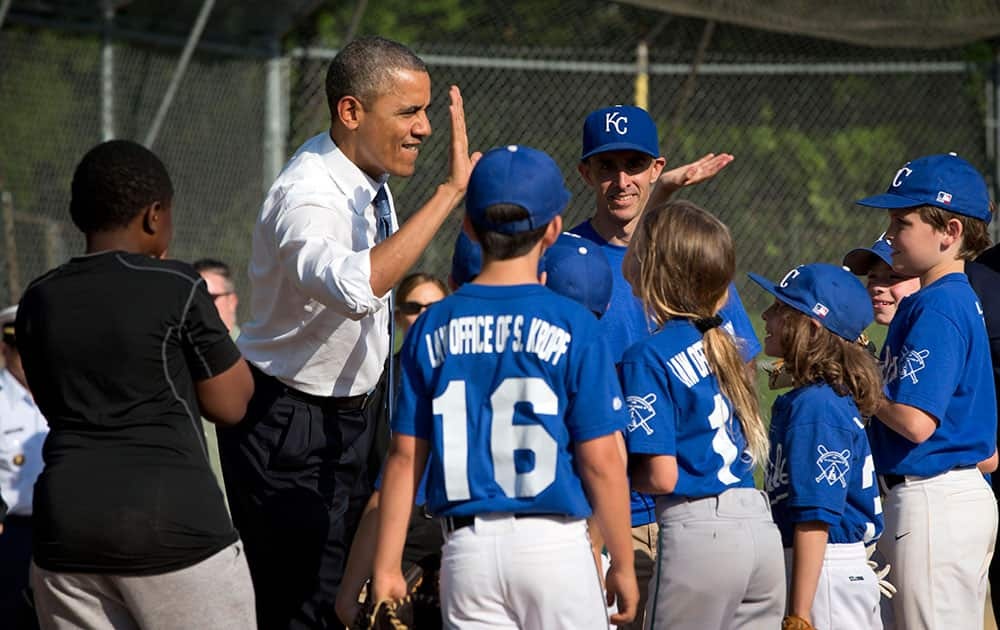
point(276, 114)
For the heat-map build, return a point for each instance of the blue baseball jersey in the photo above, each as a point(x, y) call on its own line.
point(677, 408)
point(626, 323)
point(821, 467)
point(503, 381)
point(936, 358)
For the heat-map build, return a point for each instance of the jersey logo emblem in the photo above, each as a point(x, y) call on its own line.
point(640, 410)
point(913, 362)
point(776, 475)
point(833, 465)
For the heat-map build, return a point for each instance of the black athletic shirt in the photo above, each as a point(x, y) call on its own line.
point(112, 344)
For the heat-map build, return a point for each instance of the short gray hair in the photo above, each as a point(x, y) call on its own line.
point(362, 68)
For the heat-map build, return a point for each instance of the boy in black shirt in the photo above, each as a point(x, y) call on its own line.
point(122, 351)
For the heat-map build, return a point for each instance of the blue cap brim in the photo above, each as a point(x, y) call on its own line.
point(618, 146)
point(772, 288)
point(860, 268)
point(889, 202)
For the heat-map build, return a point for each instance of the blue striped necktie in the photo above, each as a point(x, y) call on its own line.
point(383, 223)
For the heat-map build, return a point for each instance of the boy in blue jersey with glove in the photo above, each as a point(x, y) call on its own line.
point(939, 420)
point(510, 393)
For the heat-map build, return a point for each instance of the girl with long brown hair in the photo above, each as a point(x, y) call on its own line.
point(822, 478)
point(696, 433)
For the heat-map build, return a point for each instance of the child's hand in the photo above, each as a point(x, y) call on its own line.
point(623, 590)
point(388, 586)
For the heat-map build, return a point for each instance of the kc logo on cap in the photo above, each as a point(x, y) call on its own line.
point(618, 121)
point(620, 128)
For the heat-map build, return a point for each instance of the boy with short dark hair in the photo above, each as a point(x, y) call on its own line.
point(939, 420)
point(122, 351)
point(510, 392)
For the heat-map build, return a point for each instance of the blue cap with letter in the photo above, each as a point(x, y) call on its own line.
point(945, 181)
point(861, 260)
point(620, 128)
point(520, 176)
point(831, 295)
point(579, 270)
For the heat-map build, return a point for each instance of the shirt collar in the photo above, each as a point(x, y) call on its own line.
point(352, 181)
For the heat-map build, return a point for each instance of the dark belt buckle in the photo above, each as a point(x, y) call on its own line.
point(453, 523)
point(892, 480)
point(350, 403)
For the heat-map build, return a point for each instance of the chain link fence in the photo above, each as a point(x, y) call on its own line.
point(813, 126)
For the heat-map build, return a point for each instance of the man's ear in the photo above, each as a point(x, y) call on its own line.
point(350, 112)
point(658, 165)
point(584, 171)
point(151, 218)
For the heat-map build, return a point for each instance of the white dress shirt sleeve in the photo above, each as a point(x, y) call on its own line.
point(325, 252)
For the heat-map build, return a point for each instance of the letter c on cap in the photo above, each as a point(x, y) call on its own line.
point(903, 172)
point(794, 273)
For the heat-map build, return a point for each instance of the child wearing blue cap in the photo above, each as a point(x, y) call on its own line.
point(886, 286)
point(939, 420)
point(696, 433)
point(509, 393)
point(821, 478)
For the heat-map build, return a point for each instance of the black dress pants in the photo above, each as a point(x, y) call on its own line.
point(298, 477)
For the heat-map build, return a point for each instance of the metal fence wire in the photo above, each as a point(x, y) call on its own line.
point(811, 131)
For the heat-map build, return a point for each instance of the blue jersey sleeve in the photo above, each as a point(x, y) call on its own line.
point(737, 322)
point(820, 459)
point(413, 414)
point(924, 369)
point(597, 405)
point(651, 427)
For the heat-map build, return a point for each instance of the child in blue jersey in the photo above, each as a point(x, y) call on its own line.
point(939, 420)
point(696, 433)
point(510, 394)
point(821, 479)
point(886, 286)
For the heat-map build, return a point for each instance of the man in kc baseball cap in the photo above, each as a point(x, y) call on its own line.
point(829, 294)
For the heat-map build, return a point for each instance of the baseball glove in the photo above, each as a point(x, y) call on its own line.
point(419, 610)
point(794, 622)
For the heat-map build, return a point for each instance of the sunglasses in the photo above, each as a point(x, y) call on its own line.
point(412, 308)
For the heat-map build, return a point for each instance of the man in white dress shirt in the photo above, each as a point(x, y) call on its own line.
point(326, 254)
point(22, 433)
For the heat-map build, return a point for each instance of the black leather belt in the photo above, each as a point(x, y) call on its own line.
point(452, 523)
point(891, 481)
point(342, 403)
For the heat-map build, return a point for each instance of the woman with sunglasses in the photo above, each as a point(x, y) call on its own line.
point(416, 292)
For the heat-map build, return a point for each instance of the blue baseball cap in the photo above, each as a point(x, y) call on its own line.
point(831, 295)
point(945, 181)
point(516, 175)
point(467, 260)
point(620, 128)
point(861, 260)
point(579, 270)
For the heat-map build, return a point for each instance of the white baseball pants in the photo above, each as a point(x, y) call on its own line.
point(847, 595)
point(535, 573)
point(939, 537)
